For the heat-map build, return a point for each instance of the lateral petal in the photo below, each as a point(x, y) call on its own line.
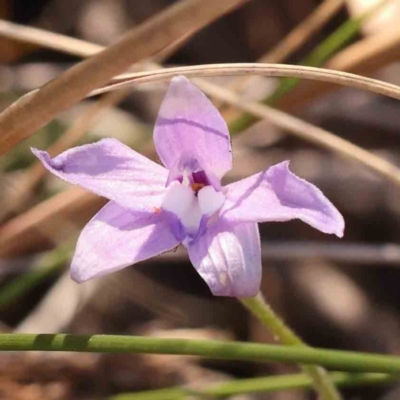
point(190, 132)
point(279, 195)
point(228, 258)
point(117, 237)
point(113, 170)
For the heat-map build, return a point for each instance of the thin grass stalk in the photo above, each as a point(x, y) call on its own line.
point(259, 385)
point(271, 70)
point(215, 349)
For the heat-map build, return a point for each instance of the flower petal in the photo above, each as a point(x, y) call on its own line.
point(228, 258)
point(116, 238)
point(210, 200)
point(113, 170)
point(279, 195)
point(190, 132)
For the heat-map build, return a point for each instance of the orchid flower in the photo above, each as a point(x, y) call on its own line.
point(154, 208)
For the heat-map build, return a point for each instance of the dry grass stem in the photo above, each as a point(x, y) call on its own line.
point(51, 40)
point(272, 70)
point(73, 46)
point(21, 120)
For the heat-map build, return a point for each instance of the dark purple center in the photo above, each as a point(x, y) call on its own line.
point(200, 177)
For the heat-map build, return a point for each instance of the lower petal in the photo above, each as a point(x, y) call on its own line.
point(116, 238)
point(228, 258)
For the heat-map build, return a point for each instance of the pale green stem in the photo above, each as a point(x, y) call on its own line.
point(216, 349)
point(258, 385)
point(264, 313)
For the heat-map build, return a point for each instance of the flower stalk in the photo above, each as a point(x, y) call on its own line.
point(282, 333)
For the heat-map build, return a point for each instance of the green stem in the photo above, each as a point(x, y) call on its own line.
point(266, 315)
point(334, 359)
point(259, 385)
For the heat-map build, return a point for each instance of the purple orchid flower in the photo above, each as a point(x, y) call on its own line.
point(155, 208)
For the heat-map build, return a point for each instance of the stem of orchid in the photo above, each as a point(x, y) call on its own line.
point(266, 315)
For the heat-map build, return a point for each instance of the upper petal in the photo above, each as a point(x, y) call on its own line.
point(116, 238)
point(113, 170)
point(279, 195)
point(190, 131)
point(228, 258)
